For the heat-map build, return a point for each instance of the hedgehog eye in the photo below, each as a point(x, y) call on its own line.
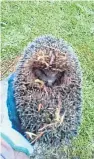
point(60, 77)
point(43, 72)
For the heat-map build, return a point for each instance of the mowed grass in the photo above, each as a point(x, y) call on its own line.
point(23, 21)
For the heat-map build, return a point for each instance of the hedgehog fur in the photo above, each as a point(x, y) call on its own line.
point(53, 113)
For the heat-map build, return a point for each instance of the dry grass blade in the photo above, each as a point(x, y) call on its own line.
point(45, 89)
point(57, 115)
point(30, 134)
point(62, 118)
point(46, 126)
point(39, 107)
point(40, 82)
point(38, 137)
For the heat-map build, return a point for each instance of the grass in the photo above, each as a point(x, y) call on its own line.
point(21, 22)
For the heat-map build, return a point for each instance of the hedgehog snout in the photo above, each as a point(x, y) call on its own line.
point(50, 82)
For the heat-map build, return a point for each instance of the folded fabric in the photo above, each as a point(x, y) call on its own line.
point(10, 123)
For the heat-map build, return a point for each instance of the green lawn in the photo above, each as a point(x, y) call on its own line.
point(23, 21)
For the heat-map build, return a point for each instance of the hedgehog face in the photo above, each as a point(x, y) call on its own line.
point(48, 67)
point(48, 76)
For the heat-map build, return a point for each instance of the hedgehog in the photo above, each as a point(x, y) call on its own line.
point(48, 91)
